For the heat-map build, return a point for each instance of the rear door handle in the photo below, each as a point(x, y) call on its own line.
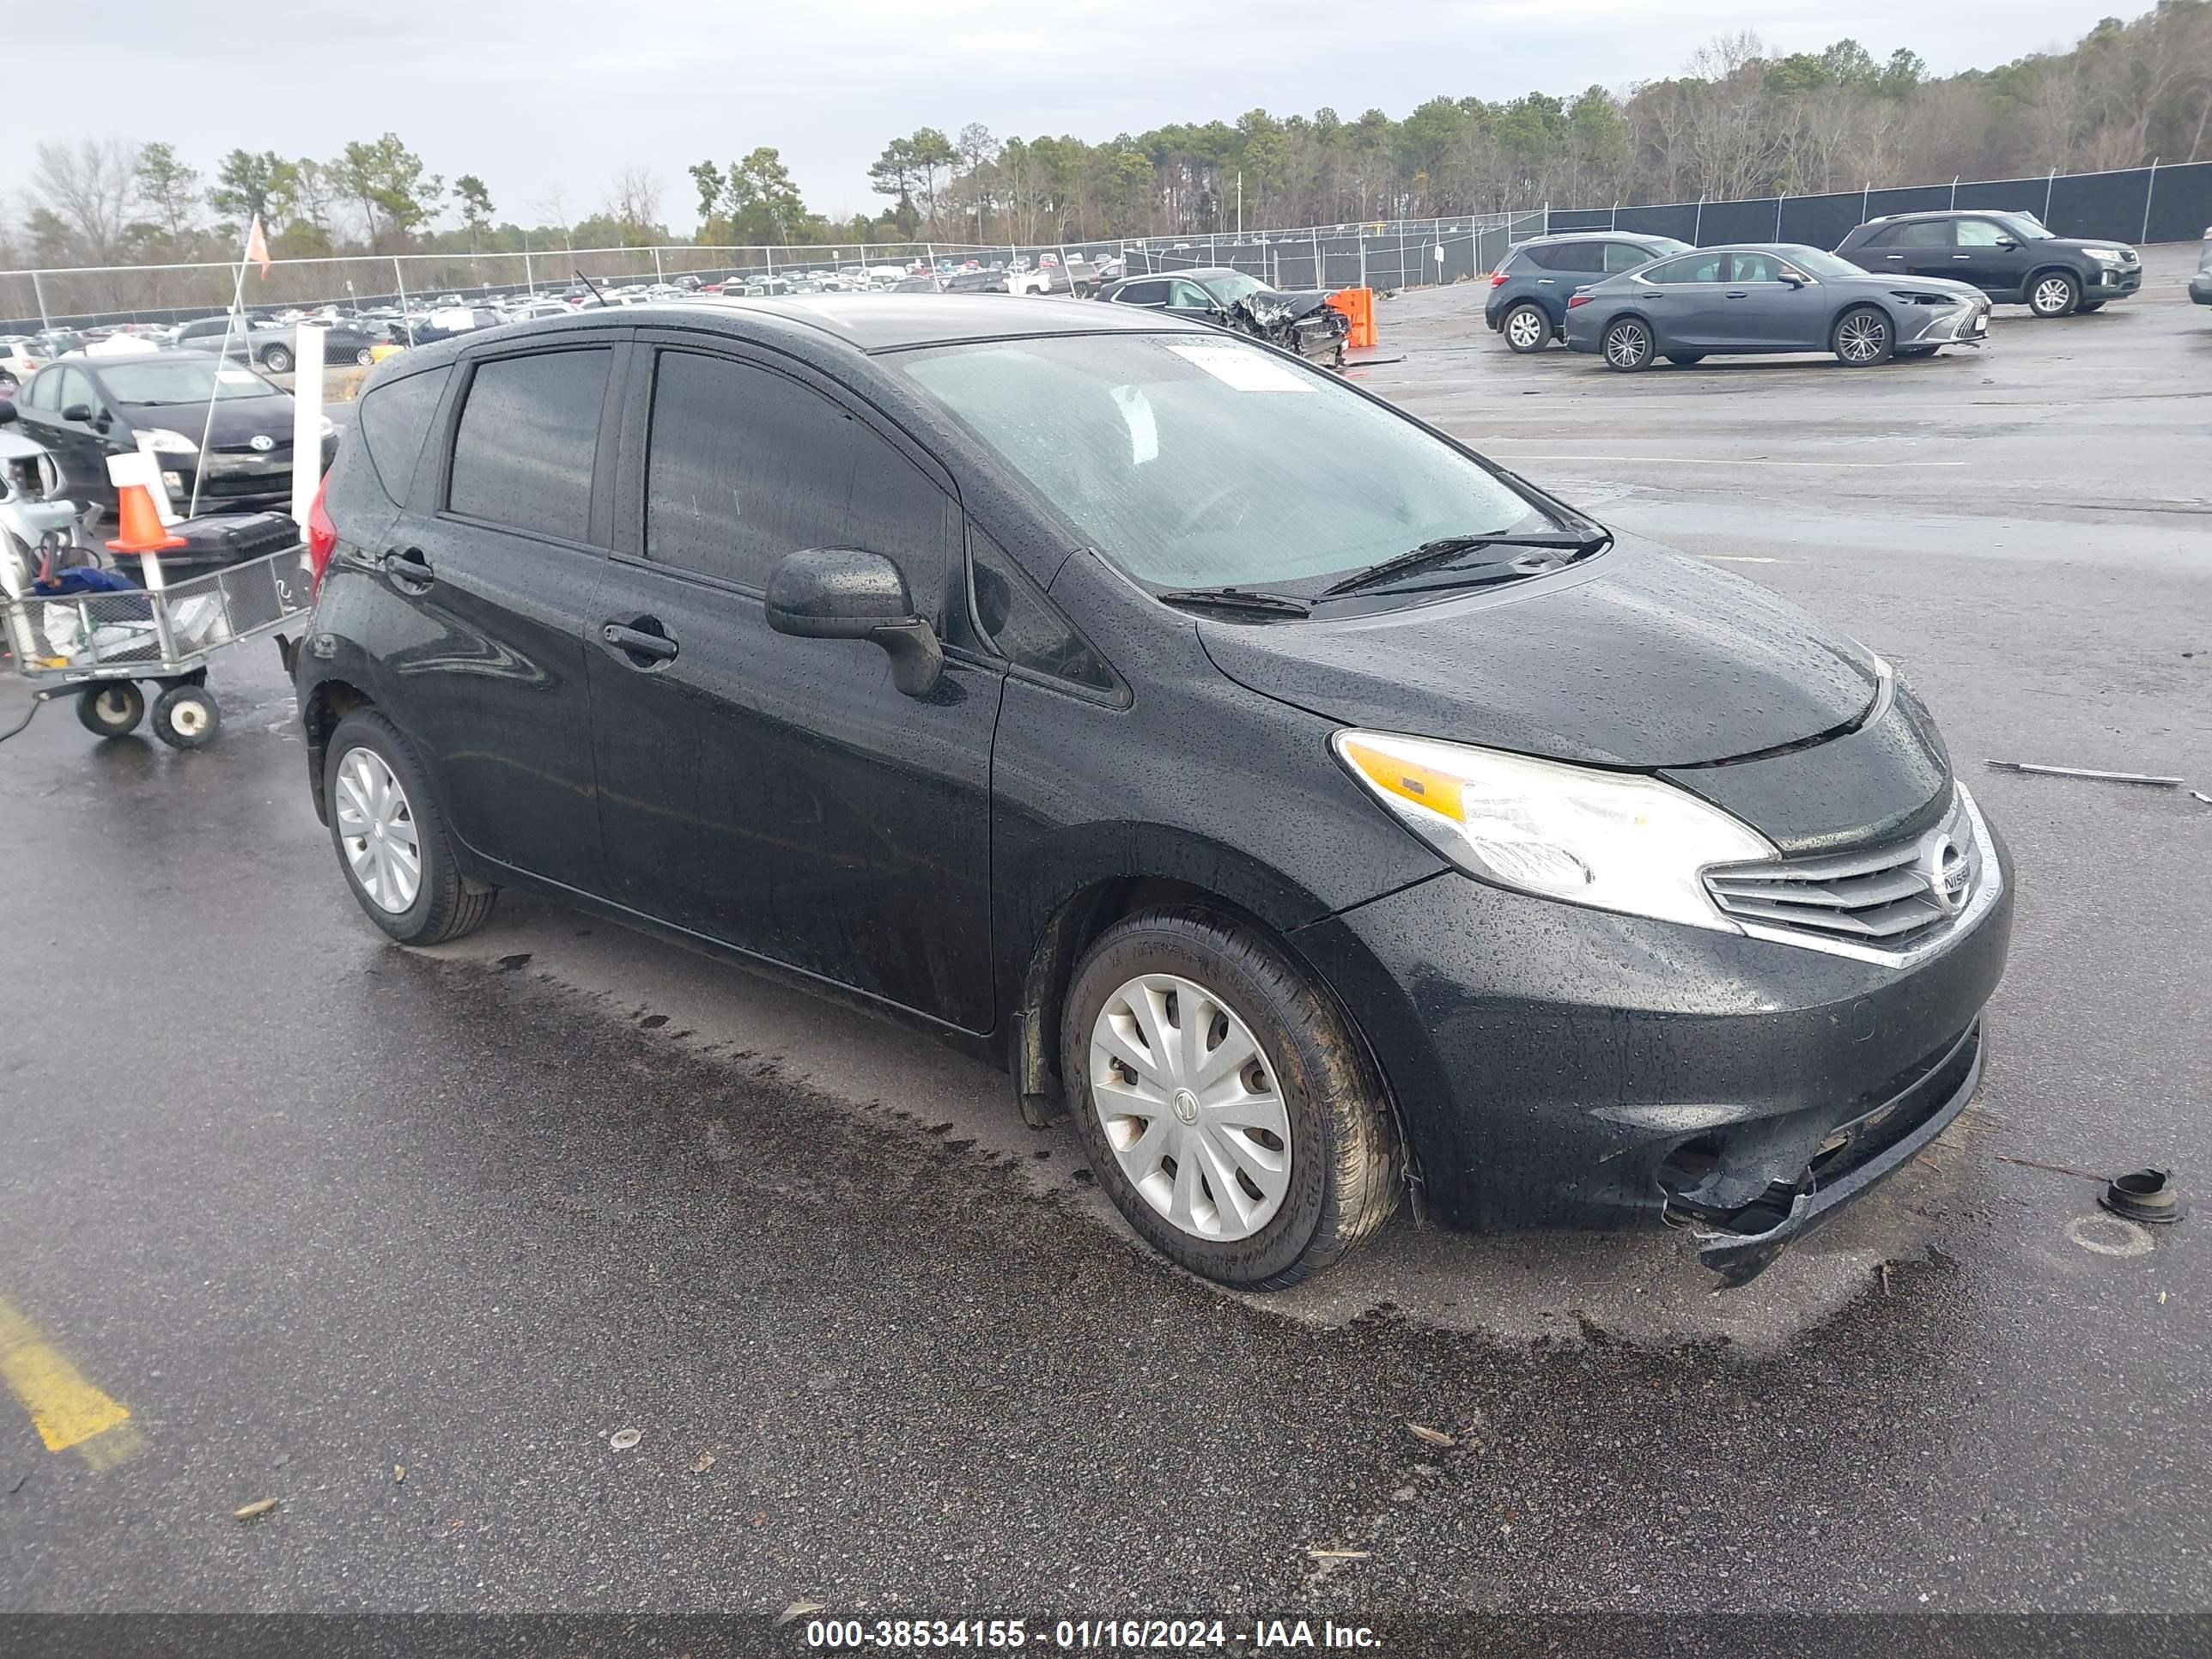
point(1543, 281)
point(640, 638)
point(408, 570)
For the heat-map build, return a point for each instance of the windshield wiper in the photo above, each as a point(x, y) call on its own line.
point(1451, 547)
point(1236, 598)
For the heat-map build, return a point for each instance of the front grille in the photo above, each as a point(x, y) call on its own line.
point(1888, 898)
point(246, 483)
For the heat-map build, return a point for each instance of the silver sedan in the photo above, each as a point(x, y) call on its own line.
point(1771, 298)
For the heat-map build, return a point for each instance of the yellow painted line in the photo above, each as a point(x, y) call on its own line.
point(65, 1409)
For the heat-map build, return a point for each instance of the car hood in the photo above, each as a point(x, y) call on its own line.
point(1636, 659)
point(1893, 280)
point(237, 420)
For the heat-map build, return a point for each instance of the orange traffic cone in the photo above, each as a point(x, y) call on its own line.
point(141, 523)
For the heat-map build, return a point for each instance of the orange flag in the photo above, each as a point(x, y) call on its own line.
point(257, 247)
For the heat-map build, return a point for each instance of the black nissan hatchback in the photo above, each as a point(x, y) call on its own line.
point(1314, 811)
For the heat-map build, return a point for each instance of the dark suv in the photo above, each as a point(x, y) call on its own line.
point(2011, 257)
point(1530, 290)
point(1303, 804)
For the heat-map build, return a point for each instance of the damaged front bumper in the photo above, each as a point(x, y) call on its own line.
point(1741, 1244)
point(1305, 323)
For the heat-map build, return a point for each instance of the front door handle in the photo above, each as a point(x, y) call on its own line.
point(1899, 258)
point(642, 641)
point(1738, 294)
point(408, 570)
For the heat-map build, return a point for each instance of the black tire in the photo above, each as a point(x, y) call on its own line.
point(1526, 328)
point(276, 360)
point(1345, 1160)
point(1862, 336)
point(1627, 345)
point(2083, 307)
point(443, 909)
point(186, 717)
point(1685, 359)
point(110, 709)
point(2053, 293)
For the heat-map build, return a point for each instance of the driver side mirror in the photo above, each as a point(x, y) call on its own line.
point(846, 594)
point(2007, 244)
point(1795, 278)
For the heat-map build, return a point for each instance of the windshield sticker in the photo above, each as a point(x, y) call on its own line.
point(1241, 370)
point(236, 377)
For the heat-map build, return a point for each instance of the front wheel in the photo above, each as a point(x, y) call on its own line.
point(2054, 293)
point(391, 837)
point(1229, 1113)
point(276, 360)
point(112, 709)
point(1862, 337)
point(1627, 345)
point(1527, 329)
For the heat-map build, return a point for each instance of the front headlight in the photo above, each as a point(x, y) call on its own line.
point(2104, 256)
point(1613, 841)
point(162, 440)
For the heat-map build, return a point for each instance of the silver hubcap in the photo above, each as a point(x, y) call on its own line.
point(1524, 328)
point(113, 706)
point(1861, 338)
point(378, 829)
point(1626, 345)
point(1191, 1107)
point(187, 720)
point(2050, 295)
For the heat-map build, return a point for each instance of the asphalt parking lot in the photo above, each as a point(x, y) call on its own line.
point(407, 1242)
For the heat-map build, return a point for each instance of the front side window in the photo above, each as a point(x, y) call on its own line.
point(1979, 232)
point(529, 433)
point(1189, 296)
point(743, 465)
point(1698, 268)
point(1202, 461)
point(1757, 268)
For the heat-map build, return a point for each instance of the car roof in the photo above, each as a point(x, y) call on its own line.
point(1596, 236)
point(891, 322)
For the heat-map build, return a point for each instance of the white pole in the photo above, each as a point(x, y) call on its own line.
point(45, 323)
point(221, 363)
point(657, 276)
point(399, 281)
point(2047, 185)
point(2150, 190)
point(308, 341)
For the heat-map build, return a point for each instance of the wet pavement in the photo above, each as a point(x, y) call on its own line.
point(317, 1210)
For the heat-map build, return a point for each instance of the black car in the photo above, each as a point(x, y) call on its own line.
point(1304, 322)
point(275, 346)
point(2011, 257)
point(1530, 288)
point(1306, 804)
point(87, 409)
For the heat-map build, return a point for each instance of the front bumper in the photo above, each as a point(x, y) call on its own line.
point(1964, 324)
point(2113, 284)
point(1558, 1067)
point(2200, 287)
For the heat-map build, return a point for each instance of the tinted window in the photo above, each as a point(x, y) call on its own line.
point(1929, 233)
point(1697, 268)
point(744, 465)
point(529, 432)
point(1022, 623)
point(1579, 256)
point(1625, 256)
point(1142, 293)
point(394, 423)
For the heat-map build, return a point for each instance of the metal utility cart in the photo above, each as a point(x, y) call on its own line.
point(102, 646)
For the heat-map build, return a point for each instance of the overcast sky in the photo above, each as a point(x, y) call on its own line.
point(532, 94)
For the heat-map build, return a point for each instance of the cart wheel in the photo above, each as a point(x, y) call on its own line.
point(112, 709)
point(186, 717)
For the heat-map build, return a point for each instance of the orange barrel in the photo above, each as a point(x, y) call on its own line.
point(1358, 304)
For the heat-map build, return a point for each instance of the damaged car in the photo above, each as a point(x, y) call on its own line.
point(1304, 322)
point(1323, 818)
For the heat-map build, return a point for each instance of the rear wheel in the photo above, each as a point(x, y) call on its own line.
point(276, 360)
point(364, 357)
point(391, 838)
point(112, 709)
point(1862, 337)
point(1227, 1110)
point(1627, 345)
point(1526, 328)
point(1684, 359)
point(2053, 293)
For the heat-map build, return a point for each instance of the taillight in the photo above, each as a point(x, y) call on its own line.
point(322, 535)
point(1574, 299)
point(1498, 278)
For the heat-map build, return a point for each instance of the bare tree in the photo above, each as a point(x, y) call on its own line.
point(89, 189)
point(636, 205)
point(553, 208)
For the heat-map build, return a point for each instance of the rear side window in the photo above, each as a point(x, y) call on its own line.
point(1927, 233)
point(1023, 625)
point(1142, 293)
point(528, 435)
point(394, 423)
point(743, 465)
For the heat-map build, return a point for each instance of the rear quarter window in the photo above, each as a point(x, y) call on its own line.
point(394, 424)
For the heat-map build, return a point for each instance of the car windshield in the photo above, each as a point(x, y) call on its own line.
point(1814, 263)
point(1197, 461)
point(2028, 228)
point(181, 380)
point(1234, 286)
